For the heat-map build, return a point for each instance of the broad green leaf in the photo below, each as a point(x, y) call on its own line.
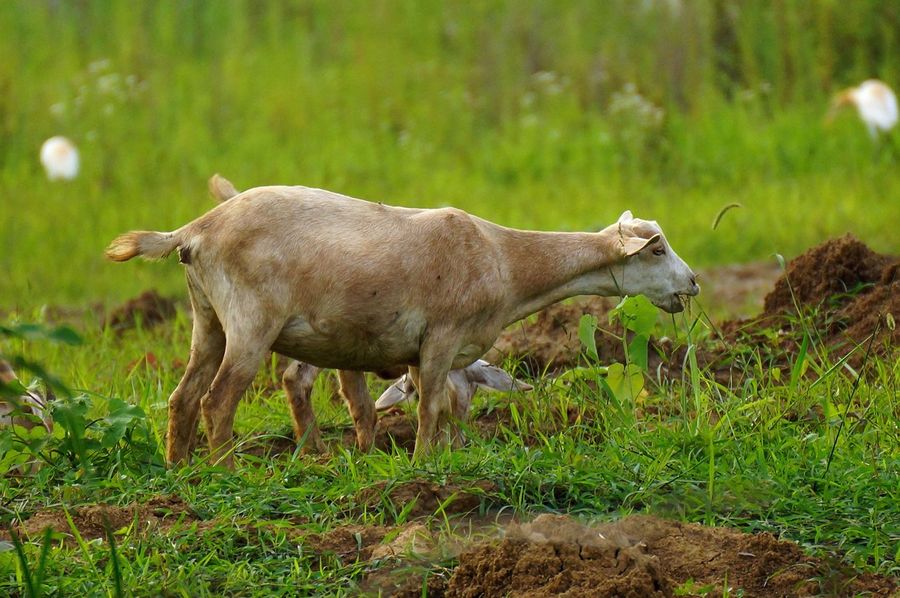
point(637, 351)
point(121, 416)
point(13, 388)
point(636, 314)
point(625, 382)
point(587, 325)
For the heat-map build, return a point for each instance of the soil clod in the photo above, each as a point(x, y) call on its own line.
point(149, 308)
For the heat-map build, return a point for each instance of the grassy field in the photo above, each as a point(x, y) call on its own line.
point(548, 115)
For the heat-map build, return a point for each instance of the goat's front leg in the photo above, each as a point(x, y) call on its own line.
point(298, 383)
point(361, 406)
point(434, 411)
point(207, 349)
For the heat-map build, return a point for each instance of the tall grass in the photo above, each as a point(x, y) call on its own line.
point(534, 114)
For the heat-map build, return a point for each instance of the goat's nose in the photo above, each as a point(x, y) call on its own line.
point(695, 288)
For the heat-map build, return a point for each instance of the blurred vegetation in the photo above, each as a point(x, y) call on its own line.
point(533, 114)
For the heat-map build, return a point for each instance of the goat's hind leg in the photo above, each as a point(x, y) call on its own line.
point(298, 382)
point(207, 349)
point(248, 338)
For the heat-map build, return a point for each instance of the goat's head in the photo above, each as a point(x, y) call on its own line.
point(650, 266)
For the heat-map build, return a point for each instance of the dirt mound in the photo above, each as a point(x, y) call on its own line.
point(555, 556)
point(429, 497)
point(150, 308)
point(158, 513)
point(550, 339)
point(645, 556)
point(847, 288)
point(835, 267)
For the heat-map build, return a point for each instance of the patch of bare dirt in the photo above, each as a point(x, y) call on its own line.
point(159, 513)
point(834, 267)
point(428, 496)
point(645, 556)
point(150, 308)
point(348, 543)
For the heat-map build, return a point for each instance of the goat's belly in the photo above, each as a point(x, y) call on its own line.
point(346, 347)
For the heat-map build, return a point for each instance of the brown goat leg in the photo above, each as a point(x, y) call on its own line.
point(361, 406)
point(247, 341)
point(207, 349)
point(298, 382)
point(434, 407)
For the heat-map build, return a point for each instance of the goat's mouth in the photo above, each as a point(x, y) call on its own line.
point(674, 304)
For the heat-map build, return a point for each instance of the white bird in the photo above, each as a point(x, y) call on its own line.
point(60, 158)
point(874, 101)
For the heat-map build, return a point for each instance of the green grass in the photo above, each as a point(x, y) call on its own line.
point(518, 112)
point(754, 457)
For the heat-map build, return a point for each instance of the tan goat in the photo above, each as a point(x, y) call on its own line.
point(349, 284)
point(298, 380)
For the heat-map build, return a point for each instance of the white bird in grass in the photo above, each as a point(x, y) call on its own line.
point(874, 101)
point(60, 158)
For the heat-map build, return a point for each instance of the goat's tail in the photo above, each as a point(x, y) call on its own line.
point(147, 244)
point(221, 188)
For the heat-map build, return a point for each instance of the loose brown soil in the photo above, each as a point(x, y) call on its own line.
point(851, 287)
point(428, 497)
point(159, 513)
point(149, 308)
point(643, 556)
point(549, 340)
point(348, 543)
point(842, 290)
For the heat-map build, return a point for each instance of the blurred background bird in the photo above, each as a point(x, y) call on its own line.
point(60, 158)
point(875, 102)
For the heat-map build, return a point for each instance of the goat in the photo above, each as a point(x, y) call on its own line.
point(299, 377)
point(312, 274)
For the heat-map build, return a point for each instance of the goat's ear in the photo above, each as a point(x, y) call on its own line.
point(493, 378)
point(635, 245)
point(399, 391)
point(625, 217)
point(221, 188)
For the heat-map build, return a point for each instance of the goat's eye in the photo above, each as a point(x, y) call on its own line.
point(659, 251)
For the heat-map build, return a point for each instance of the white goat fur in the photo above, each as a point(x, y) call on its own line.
point(461, 384)
point(349, 284)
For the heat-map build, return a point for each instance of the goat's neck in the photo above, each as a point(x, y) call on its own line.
point(548, 267)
